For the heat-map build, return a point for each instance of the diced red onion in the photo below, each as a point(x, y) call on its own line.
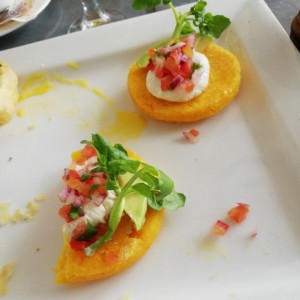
point(176, 81)
point(99, 199)
point(170, 48)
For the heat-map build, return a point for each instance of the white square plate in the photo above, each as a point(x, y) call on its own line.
point(247, 153)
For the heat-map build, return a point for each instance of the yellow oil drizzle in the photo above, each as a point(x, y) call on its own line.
point(73, 65)
point(210, 245)
point(36, 84)
point(103, 96)
point(128, 125)
point(79, 82)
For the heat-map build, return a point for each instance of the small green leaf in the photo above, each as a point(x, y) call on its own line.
point(173, 201)
point(75, 212)
point(85, 177)
point(154, 204)
point(166, 186)
point(217, 25)
point(94, 187)
point(143, 189)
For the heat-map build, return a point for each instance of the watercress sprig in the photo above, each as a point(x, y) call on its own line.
point(146, 180)
point(207, 26)
point(194, 20)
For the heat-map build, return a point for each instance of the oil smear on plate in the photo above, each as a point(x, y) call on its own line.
point(115, 124)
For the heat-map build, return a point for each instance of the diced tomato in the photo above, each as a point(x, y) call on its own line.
point(88, 151)
point(186, 68)
point(191, 135)
point(74, 181)
point(150, 66)
point(220, 228)
point(194, 132)
point(165, 83)
point(82, 155)
point(238, 213)
point(78, 245)
point(151, 52)
point(64, 213)
point(172, 66)
point(80, 228)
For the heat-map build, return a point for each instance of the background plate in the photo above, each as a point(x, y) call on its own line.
point(37, 5)
point(248, 153)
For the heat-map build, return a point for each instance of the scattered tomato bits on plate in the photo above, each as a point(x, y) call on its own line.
point(220, 228)
point(192, 135)
point(236, 214)
point(239, 213)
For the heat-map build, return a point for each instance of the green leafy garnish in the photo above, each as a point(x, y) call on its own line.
point(207, 26)
point(150, 183)
point(85, 177)
point(75, 212)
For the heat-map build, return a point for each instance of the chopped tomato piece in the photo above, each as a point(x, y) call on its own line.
point(191, 135)
point(64, 213)
point(79, 229)
point(194, 132)
point(186, 69)
point(88, 151)
point(165, 83)
point(93, 184)
point(151, 52)
point(238, 213)
point(78, 245)
point(171, 66)
point(220, 228)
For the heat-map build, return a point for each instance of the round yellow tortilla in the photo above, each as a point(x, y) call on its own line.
point(124, 249)
point(223, 86)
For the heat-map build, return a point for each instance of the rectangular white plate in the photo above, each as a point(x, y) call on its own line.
point(248, 153)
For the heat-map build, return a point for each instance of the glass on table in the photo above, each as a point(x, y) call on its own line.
point(94, 15)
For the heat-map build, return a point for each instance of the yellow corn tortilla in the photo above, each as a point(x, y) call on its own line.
point(223, 86)
point(125, 248)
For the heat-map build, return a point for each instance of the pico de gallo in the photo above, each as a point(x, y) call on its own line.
point(174, 65)
point(101, 184)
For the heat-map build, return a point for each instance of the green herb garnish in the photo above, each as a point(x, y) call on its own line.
point(146, 181)
point(85, 177)
point(75, 212)
point(206, 25)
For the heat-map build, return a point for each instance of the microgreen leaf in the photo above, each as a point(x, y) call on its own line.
point(85, 177)
point(74, 212)
point(194, 20)
point(173, 201)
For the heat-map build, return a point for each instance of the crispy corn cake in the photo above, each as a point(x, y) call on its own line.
point(223, 86)
point(125, 248)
